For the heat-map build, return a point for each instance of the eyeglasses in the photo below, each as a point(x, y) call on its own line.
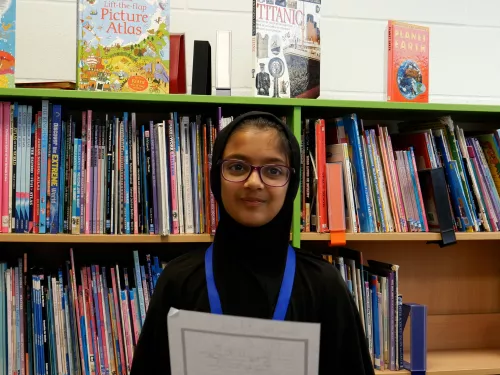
point(275, 175)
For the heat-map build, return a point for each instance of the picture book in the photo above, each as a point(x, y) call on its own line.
point(408, 63)
point(124, 46)
point(7, 43)
point(286, 48)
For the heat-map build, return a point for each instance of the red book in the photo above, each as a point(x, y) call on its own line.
point(177, 64)
point(408, 63)
point(321, 210)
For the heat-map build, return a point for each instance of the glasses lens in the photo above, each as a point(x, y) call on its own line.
point(235, 170)
point(275, 175)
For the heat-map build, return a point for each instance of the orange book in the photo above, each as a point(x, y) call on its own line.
point(408, 63)
point(336, 203)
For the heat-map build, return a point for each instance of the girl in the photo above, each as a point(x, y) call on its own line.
point(254, 178)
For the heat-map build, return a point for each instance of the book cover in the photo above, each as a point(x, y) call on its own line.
point(7, 43)
point(408, 63)
point(286, 48)
point(124, 46)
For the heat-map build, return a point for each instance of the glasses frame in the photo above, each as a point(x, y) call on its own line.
point(257, 168)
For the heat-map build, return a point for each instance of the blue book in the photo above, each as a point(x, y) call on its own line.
point(375, 320)
point(138, 283)
point(150, 272)
point(43, 165)
point(62, 177)
point(365, 209)
point(461, 210)
point(54, 169)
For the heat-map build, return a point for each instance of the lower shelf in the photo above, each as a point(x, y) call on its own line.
point(187, 238)
point(427, 236)
point(105, 238)
point(459, 362)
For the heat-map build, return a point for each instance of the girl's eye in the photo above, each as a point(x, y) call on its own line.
point(236, 167)
point(274, 171)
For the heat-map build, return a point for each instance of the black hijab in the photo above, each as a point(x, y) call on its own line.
point(258, 252)
point(248, 271)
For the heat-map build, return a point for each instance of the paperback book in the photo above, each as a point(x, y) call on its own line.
point(407, 63)
point(124, 46)
point(286, 48)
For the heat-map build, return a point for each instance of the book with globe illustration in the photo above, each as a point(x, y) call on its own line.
point(124, 46)
point(408, 63)
point(286, 48)
point(7, 43)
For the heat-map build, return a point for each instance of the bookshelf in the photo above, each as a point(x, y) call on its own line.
point(470, 362)
point(460, 284)
point(206, 238)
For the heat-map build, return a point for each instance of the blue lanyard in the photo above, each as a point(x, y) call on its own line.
point(283, 297)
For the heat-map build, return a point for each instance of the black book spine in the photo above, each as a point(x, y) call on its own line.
point(149, 178)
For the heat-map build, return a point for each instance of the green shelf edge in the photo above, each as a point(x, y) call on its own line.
point(242, 100)
point(296, 128)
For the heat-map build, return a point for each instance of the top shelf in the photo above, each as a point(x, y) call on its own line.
point(20, 93)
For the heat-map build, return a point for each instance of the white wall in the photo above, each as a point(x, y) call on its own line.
point(464, 43)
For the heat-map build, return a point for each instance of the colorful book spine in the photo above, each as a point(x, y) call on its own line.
point(6, 165)
point(54, 171)
point(173, 177)
point(152, 136)
point(88, 182)
point(135, 198)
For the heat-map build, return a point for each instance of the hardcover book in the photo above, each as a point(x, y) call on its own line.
point(408, 63)
point(286, 48)
point(7, 43)
point(124, 46)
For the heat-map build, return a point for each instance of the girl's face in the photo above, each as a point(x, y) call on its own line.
point(251, 202)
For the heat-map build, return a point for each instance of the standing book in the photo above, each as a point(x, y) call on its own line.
point(286, 48)
point(7, 43)
point(407, 63)
point(124, 46)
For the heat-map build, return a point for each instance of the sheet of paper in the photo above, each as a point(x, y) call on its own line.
point(210, 344)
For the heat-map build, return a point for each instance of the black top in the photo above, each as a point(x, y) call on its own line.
point(319, 295)
point(248, 266)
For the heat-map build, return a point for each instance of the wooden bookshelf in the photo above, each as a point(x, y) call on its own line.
point(202, 238)
point(106, 238)
point(459, 284)
point(459, 362)
point(481, 236)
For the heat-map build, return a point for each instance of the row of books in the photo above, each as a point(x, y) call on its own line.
point(360, 178)
point(79, 172)
point(375, 289)
point(87, 320)
point(72, 321)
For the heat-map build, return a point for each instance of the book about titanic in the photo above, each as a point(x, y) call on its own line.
point(124, 46)
point(286, 48)
point(7, 43)
point(407, 63)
